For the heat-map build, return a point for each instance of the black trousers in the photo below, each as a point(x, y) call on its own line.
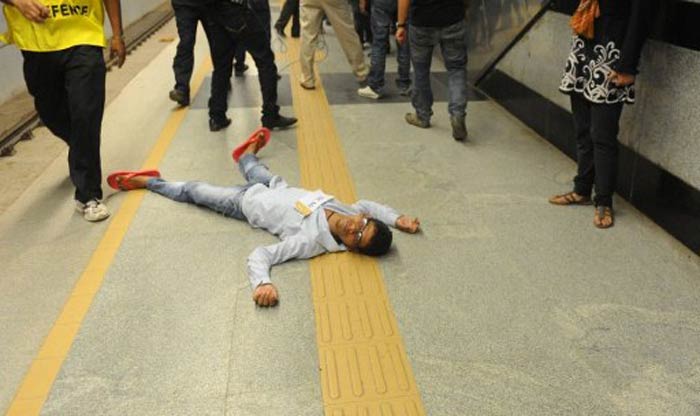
point(68, 87)
point(596, 127)
point(228, 25)
point(363, 25)
point(186, 19)
point(261, 8)
point(290, 9)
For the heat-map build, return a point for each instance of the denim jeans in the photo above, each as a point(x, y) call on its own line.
point(224, 200)
point(454, 52)
point(382, 17)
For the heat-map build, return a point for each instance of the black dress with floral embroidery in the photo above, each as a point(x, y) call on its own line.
point(619, 35)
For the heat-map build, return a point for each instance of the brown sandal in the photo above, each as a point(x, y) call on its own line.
point(602, 214)
point(570, 198)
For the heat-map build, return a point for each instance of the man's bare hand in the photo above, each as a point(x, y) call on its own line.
point(408, 224)
point(363, 6)
point(31, 9)
point(118, 50)
point(620, 79)
point(266, 295)
point(401, 35)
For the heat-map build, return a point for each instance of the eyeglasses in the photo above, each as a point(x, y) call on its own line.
point(358, 236)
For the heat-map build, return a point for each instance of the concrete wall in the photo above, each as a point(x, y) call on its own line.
point(11, 60)
point(663, 125)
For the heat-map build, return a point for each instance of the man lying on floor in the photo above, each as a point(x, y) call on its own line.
point(308, 223)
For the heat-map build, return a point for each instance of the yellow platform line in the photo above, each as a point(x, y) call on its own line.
point(364, 367)
point(36, 385)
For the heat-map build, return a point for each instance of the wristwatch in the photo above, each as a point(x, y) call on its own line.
point(401, 24)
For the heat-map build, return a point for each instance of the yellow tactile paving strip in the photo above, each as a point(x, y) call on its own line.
point(363, 363)
point(36, 385)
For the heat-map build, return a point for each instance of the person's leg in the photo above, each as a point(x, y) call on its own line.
point(285, 15)
point(380, 21)
point(261, 10)
point(44, 76)
point(339, 14)
point(222, 47)
point(422, 40)
point(224, 200)
point(604, 129)
point(366, 18)
point(585, 173)
point(257, 44)
point(85, 88)
point(454, 52)
point(186, 19)
point(253, 171)
point(357, 20)
point(311, 18)
point(239, 60)
point(403, 58)
point(296, 28)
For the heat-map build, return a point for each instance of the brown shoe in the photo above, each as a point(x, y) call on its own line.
point(308, 85)
point(413, 119)
point(604, 217)
point(570, 198)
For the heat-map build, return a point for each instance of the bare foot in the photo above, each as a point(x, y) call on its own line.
point(604, 217)
point(266, 295)
point(255, 145)
point(570, 198)
point(135, 182)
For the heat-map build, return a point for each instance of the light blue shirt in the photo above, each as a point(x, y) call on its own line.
point(272, 208)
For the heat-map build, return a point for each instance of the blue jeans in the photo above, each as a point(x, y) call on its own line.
point(382, 16)
point(224, 200)
point(454, 53)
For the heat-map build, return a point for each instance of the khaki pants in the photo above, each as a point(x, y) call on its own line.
point(339, 14)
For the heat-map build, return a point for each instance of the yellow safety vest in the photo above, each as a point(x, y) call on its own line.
point(70, 23)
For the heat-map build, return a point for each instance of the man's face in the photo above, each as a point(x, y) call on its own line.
point(354, 231)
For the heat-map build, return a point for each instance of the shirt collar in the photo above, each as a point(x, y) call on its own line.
point(325, 238)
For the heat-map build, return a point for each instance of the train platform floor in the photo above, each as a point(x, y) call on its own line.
point(502, 305)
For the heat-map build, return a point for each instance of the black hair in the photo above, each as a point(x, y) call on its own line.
point(380, 242)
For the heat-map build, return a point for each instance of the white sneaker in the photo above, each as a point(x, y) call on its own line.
point(94, 210)
point(368, 92)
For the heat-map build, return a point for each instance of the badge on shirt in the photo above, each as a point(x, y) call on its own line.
point(311, 202)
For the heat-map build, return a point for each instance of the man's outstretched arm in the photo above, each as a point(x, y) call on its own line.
point(388, 216)
point(408, 224)
point(262, 259)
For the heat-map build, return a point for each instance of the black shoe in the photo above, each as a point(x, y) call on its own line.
point(216, 125)
point(180, 97)
point(278, 121)
point(240, 71)
point(459, 128)
point(280, 32)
